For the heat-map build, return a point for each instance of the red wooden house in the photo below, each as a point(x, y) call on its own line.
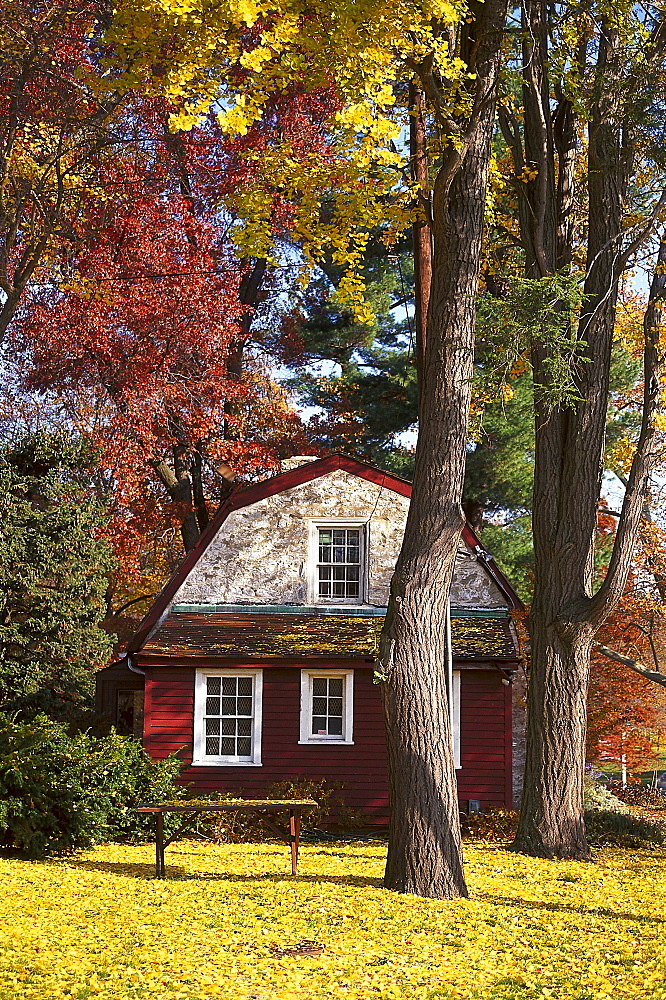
point(256, 661)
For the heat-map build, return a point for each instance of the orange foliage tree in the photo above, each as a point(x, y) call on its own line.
point(136, 319)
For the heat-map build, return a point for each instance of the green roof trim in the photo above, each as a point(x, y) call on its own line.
point(336, 611)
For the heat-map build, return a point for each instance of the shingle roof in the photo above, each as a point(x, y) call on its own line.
point(249, 494)
point(195, 633)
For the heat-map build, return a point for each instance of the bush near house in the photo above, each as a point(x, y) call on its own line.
point(237, 828)
point(643, 796)
point(60, 791)
point(608, 822)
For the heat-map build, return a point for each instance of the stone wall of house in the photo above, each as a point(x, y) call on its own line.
point(261, 555)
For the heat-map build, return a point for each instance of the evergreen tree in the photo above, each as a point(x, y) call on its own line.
point(54, 565)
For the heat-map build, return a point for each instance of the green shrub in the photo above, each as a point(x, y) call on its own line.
point(598, 797)
point(60, 791)
point(614, 829)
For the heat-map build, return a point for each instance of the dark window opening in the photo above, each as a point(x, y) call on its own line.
point(129, 713)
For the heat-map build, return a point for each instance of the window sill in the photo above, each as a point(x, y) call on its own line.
point(326, 743)
point(226, 763)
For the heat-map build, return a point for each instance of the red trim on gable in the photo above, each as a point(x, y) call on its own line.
point(244, 496)
point(164, 597)
point(472, 539)
point(314, 470)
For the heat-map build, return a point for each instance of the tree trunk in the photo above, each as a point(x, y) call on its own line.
point(424, 855)
point(249, 293)
point(421, 236)
point(569, 443)
point(552, 823)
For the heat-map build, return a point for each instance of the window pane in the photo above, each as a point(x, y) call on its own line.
point(339, 566)
point(335, 687)
point(319, 706)
point(212, 706)
point(335, 706)
point(334, 726)
point(319, 685)
point(318, 725)
point(228, 725)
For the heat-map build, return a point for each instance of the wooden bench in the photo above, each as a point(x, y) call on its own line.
point(261, 807)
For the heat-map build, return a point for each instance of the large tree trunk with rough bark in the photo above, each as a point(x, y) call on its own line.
point(424, 855)
point(569, 445)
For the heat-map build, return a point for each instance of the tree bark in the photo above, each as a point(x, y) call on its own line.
point(424, 855)
point(421, 234)
point(249, 294)
point(569, 446)
point(179, 488)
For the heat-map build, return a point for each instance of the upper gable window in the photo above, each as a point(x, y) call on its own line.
point(338, 564)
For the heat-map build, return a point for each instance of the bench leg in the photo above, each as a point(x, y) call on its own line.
point(159, 846)
point(294, 838)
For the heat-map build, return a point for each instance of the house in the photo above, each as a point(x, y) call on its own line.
point(256, 662)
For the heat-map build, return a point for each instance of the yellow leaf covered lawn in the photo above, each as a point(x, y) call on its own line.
point(99, 925)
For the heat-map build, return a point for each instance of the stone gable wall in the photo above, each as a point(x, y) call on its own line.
point(261, 553)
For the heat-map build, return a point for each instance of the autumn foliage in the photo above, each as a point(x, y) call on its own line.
point(140, 323)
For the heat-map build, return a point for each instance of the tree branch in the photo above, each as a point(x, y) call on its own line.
point(639, 668)
point(646, 450)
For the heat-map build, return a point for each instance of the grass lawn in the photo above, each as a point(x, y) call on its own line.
point(99, 925)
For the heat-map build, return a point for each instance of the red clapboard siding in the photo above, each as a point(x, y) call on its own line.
point(485, 739)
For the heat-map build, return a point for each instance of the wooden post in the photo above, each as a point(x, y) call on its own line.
point(294, 835)
point(159, 846)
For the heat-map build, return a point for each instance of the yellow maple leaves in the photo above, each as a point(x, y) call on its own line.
point(236, 55)
point(223, 924)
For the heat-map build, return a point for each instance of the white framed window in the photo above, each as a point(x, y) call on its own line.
point(337, 562)
point(227, 717)
point(327, 706)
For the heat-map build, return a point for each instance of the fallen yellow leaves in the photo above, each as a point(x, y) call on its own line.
point(230, 922)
